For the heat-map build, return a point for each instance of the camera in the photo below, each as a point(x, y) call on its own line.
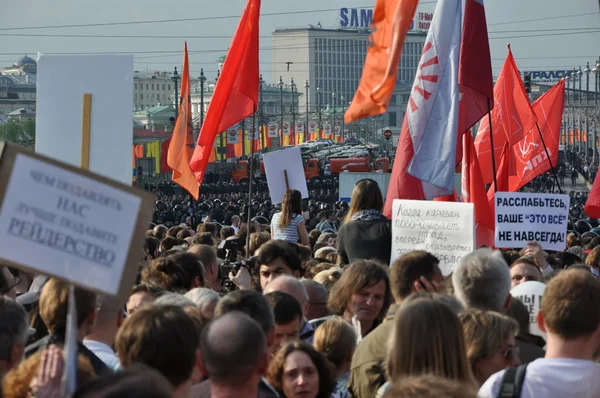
point(228, 251)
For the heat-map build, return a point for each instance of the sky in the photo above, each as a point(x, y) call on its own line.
point(544, 34)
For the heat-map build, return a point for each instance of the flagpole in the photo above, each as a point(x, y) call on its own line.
point(548, 156)
point(251, 177)
point(492, 145)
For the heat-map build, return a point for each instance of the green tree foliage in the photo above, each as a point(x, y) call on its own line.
point(19, 132)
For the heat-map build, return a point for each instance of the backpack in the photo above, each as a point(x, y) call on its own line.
point(512, 382)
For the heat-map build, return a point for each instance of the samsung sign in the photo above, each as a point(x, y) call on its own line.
point(549, 76)
point(357, 18)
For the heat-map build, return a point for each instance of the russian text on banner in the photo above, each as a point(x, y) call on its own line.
point(531, 217)
point(445, 229)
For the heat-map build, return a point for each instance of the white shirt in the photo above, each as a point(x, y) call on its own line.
point(104, 352)
point(552, 378)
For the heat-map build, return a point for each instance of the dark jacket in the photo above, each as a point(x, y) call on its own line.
point(365, 240)
point(202, 390)
point(99, 366)
point(530, 347)
point(367, 372)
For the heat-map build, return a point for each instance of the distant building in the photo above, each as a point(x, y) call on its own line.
point(155, 89)
point(331, 62)
point(18, 86)
point(156, 118)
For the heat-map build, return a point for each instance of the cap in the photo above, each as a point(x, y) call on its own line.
point(35, 290)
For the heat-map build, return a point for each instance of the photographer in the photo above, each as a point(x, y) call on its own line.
point(275, 258)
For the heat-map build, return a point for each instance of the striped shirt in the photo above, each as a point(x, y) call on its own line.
point(290, 233)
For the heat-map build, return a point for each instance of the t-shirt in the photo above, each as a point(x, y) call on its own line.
point(552, 378)
point(290, 233)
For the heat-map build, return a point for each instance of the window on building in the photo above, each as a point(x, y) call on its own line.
point(393, 100)
point(146, 86)
point(135, 86)
point(141, 96)
point(152, 96)
point(392, 119)
point(163, 87)
point(135, 97)
point(153, 87)
point(169, 87)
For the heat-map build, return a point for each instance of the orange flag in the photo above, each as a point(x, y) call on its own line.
point(473, 191)
point(236, 94)
point(530, 156)
point(391, 22)
point(512, 117)
point(182, 141)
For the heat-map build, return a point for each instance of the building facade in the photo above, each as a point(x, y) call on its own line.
point(331, 62)
point(155, 89)
point(18, 86)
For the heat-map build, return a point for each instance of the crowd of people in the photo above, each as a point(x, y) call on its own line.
point(310, 307)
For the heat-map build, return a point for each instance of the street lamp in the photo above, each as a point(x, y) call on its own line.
point(343, 122)
point(281, 84)
point(202, 79)
point(587, 82)
point(596, 83)
point(261, 115)
point(293, 88)
point(579, 74)
point(333, 103)
point(306, 87)
point(319, 110)
point(175, 79)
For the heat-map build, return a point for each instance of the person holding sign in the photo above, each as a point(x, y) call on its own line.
point(366, 233)
point(289, 224)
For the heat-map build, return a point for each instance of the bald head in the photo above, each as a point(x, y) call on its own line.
point(287, 284)
point(233, 349)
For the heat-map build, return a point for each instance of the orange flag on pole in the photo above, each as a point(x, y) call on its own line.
point(236, 94)
point(182, 141)
point(391, 22)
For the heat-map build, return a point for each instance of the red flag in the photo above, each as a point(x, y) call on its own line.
point(474, 71)
point(236, 94)
point(473, 191)
point(512, 117)
point(501, 176)
point(592, 205)
point(530, 156)
point(182, 141)
point(392, 20)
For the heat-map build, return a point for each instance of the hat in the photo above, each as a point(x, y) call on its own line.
point(35, 290)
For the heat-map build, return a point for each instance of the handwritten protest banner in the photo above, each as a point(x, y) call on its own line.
point(66, 222)
point(443, 228)
point(526, 217)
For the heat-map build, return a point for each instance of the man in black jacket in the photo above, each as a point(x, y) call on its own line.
point(54, 307)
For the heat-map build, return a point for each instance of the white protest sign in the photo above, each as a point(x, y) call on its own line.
point(61, 83)
point(442, 228)
point(526, 217)
point(290, 161)
point(531, 293)
point(69, 224)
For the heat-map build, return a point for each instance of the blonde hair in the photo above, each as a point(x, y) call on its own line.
point(335, 339)
point(328, 277)
point(485, 333)
point(430, 386)
point(427, 339)
point(365, 195)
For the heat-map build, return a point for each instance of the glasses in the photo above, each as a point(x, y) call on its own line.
point(11, 287)
point(512, 352)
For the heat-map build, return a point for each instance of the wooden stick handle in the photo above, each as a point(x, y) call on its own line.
point(86, 131)
point(287, 183)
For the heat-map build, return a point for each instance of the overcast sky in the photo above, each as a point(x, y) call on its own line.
point(555, 43)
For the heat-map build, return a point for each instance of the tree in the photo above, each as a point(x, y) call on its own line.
point(19, 132)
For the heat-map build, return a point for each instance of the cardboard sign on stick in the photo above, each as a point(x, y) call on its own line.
point(526, 217)
point(442, 228)
point(59, 220)
point(285, 171)
point(62, 82)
